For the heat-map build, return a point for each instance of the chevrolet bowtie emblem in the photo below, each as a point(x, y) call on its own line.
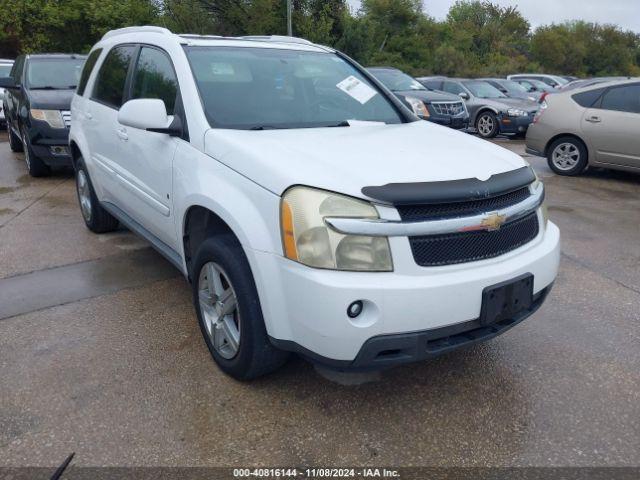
point(493, 221)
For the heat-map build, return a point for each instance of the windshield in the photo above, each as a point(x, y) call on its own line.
point(483, 89)
point(397, 81)
point(54, 73)
point(261, 88)
point(5, 70)
point(540, 85)
point(512, 87)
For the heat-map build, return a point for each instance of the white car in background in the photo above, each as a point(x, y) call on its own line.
point(310, 210)
point(5, 70)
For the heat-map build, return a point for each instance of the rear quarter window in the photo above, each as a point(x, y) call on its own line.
point(588, 99)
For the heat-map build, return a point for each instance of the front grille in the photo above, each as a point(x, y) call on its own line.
point(66, 116)
point(452, 248)
point(448, 108)
point(411, 213)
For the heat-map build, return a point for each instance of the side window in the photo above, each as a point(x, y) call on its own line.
point(86, 71)
point(112, 77)
point(589, 98)
point(154, 77)
point(453, 88)
point(622, 99)
point(16, 71)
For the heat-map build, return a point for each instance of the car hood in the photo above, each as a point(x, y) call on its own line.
point(51, 99)
point(506, 103)
point(346, 159)
point(429, 95)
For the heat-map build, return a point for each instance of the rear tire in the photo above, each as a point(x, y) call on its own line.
point(95, 217)
point(229, 311)
point(15, 142)
point(35, 165)
point(487, 125)
point(568, 156)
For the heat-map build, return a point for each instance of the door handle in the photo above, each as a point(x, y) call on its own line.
point(122, 134)
point(594, 119)
point(88, 115)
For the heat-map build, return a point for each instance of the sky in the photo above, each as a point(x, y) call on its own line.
point(624, 13)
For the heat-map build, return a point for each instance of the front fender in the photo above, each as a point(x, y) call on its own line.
point(251, 211)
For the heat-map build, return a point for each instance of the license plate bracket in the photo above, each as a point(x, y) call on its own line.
point(506, 300)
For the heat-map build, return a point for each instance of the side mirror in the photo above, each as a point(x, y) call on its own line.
point(144, 113)
point(464, 95)
point(8, 82)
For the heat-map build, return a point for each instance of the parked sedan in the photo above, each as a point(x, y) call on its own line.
point(438, 107)
point(37, 107)
point(490, 111)
point(513, 89)
point(596, 125)
point(554, 81)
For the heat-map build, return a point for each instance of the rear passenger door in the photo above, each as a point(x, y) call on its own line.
point(146, 165)
point(100, 118)
point(613, 126)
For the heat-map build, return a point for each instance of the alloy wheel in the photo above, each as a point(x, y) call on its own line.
point(565, 156)
point(485, 125)
point(219, 310)
point(84, 195)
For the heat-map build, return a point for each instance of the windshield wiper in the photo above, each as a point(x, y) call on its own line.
point(266, 127)
point(51, 87)
point(343, 123)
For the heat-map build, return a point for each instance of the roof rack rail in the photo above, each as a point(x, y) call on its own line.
point(277, 38)
point(196, 35)
point(143, 29)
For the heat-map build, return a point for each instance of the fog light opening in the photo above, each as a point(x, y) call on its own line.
point(355, 309)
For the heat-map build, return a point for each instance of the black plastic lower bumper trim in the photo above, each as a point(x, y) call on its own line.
point(387, 351)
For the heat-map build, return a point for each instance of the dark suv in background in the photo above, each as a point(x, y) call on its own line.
point(37, 103)
point(438, 107)
point(491, 111)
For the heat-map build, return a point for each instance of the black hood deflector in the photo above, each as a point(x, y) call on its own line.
point(452, 191)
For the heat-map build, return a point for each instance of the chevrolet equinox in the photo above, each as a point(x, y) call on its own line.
point(310, 210)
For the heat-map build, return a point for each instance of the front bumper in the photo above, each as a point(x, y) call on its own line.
point(458, 123)
point(51, 145)
point(515, 124)
point(305, 308)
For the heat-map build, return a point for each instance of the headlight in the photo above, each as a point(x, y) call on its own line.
point(307, 239)
point(515, 112)
point(52, 117)
point(545, 214)
point(418, 107)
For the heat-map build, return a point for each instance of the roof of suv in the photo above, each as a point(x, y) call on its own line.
point(260, 41)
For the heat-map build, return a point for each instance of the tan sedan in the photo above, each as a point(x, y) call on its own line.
point(597, 125)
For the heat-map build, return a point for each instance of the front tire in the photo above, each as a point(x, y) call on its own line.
point(568, 156)
point(35, 165)
point(487, 125)
point(95, 217)
point(229, 311)
point(15, 142)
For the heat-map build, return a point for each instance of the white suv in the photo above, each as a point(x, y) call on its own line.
point(310, 210)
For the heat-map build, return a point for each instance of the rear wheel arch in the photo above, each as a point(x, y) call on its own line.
point(570, 135)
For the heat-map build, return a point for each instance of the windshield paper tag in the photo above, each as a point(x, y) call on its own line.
point(357, 90)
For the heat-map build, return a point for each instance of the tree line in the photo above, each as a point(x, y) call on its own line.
point(477, 38)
